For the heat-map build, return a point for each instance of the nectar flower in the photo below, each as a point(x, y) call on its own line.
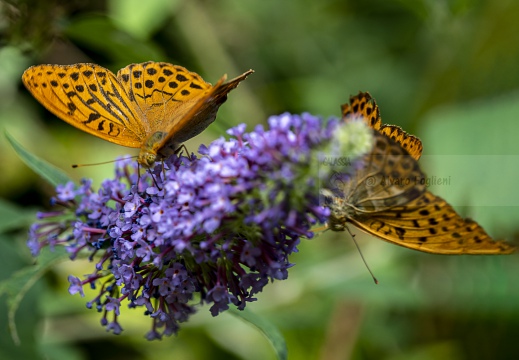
point(213, 229)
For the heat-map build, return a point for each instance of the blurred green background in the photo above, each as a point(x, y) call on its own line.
point(446, 71)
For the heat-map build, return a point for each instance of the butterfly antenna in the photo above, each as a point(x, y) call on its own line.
point(74, 166)
point(362, 256)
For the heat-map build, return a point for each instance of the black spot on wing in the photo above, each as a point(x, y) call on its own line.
point(72, 107)
point(112, 132)
point(92, 117)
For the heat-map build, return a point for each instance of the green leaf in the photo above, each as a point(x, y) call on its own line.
point(19, 284)
point(14, 217)
point(52, 174)
point(268, 329)
point(28, 313)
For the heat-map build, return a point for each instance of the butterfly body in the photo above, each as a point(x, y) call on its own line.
point(153, 106)
point(387, 195)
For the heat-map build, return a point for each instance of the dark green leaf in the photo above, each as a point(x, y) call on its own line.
point(52, 174)
point(268, 329)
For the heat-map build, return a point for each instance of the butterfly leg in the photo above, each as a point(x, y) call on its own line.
point(181, 149)
point(138, 175)
point(154, 179)
point(163, 170)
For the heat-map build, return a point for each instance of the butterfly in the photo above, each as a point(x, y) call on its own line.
point(387, 196)
point(154, 106)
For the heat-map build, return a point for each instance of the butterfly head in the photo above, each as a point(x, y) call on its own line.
point(336, 223)
point(147, 158)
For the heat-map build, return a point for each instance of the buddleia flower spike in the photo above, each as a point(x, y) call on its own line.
point(216, 228)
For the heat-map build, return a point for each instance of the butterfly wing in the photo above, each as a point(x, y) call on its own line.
point(177, 102)
point(364, 105)
point(202, 114)
point(430, 224)
point(90, 98)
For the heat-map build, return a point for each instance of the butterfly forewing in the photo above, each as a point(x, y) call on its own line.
point(164, 92)
point(364, 105)
point(430, 224)
point(88, 97)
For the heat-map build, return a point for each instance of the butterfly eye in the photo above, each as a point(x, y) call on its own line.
point(147, 159)
point(150, 159)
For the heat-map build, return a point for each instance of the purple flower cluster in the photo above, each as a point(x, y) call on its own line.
point(211, 229)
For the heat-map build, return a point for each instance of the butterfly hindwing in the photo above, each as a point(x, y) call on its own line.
point(364, 105)
point(88, 97)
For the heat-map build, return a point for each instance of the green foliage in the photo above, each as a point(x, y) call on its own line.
point(47, 171)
